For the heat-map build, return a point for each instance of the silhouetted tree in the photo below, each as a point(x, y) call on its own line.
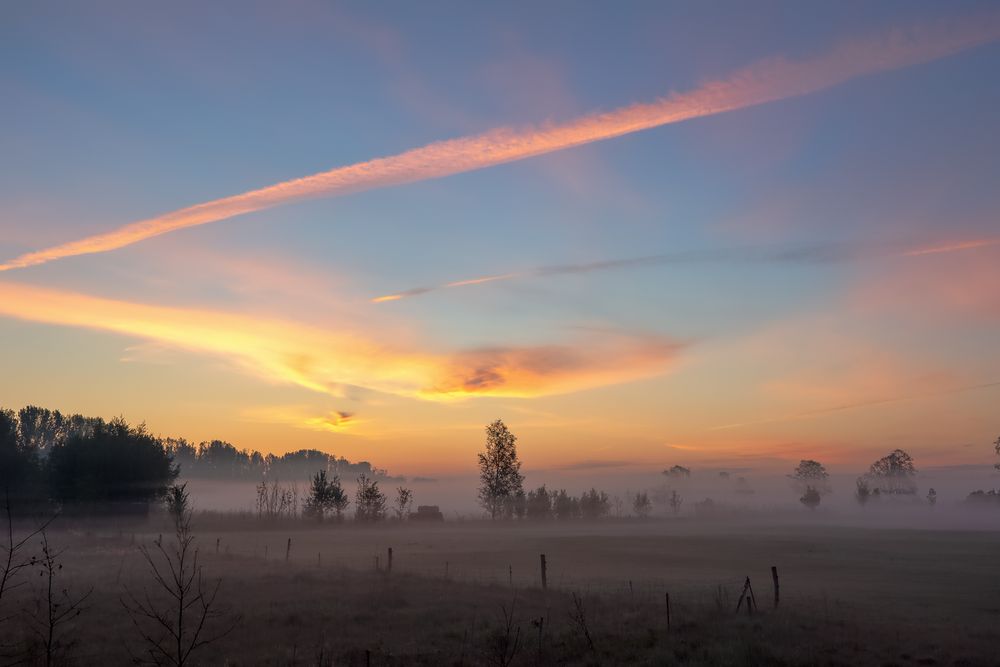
point(996, 448)
point(55, 608)
point(180, 616)
point(565, 506)
point(403, 503)
point(931, 497)
point(115, 463)
point(863, 492)
point(19, 464)
point(641, 505)
point(894, 474)
point(675, 501)
point(325, 495)
point(369, 501)
point(499, 469)
point(678, 472)
point(811, 498)
point(539, 503)
point(811, 480)
point(177, 501)
point(595, 504)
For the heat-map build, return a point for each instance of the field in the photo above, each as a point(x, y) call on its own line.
point(849, 595)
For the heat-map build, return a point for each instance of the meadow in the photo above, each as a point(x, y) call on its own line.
point(469, 592)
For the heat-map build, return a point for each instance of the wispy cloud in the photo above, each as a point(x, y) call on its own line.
point(327, 360)
point(826, 253)
point(761, 83)
point(810, 414)
point(300, 417)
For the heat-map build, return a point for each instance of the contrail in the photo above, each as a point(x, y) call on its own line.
point(860, 404)
point(807, 254)
point(766, 81)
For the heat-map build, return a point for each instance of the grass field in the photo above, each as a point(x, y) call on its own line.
point(849, 595)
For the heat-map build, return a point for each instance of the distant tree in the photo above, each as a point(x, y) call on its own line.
point(539, 503)
point(177, 502)
point(115, 463)
point(931, 497)
point(678, 472)
point(595, 504)
point(184, 455)
point(499, 469)
point(19, 464)
point(641, 505)
point(863, 493)
point(675, 501)
point(811, 498)
point(403, 503)
point(984, 498)
point(894, 474)
point(724, 475)
point(325, 495)
point(813, 474)
point(996, 448)
point(566, 506)
point(369, 501)
point(517, 506)
point(619, 506)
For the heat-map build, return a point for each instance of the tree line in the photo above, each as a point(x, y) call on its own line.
point(72, 460)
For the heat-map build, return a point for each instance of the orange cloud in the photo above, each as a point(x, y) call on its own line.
point(758, 84)
point(326, 360)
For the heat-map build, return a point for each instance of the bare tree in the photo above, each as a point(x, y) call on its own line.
point(499, 469)
point(403, 503)
point(55, 608)
point(176, 623)
point(641, 505)
point(996, 448)
point(675, 501)
point(13, 560)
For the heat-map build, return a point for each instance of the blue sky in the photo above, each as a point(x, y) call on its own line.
point(116, 112)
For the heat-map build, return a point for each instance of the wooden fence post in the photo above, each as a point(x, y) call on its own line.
point(217, 545)
point(388, 562)
point(288, 550)
point(545, 583)
point(774, 577)
point(668, 611)
point(510, 575)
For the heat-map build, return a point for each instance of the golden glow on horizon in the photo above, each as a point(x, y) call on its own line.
point(764, 82)
point(324, 360)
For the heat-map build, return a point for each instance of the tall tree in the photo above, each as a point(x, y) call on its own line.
point(116, 463)
point(894, 473)
point(499, 470)
point(369, 501)
point(811, 480)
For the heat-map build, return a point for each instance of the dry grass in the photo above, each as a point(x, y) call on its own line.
point(849, 596)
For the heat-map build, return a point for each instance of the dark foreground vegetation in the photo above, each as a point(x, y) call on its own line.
point(469, 593)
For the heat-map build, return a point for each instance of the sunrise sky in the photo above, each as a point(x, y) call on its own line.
point(642, 234)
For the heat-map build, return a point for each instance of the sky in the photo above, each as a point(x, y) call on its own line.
point(709, 234)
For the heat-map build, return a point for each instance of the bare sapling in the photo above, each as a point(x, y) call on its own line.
point(180, 616)
point(55, 607)
point(579, 618)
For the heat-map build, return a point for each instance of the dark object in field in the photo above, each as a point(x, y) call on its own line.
point(427, 513)
point(388, 561)
point(544, 578)
point(747, 593)
point(668, 611)
point(774, 577)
